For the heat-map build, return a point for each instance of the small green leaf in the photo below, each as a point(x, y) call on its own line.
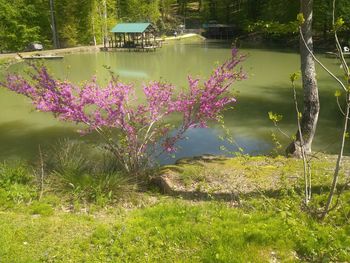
point(300, 115)
point(295, 76)
point(275, 117)
point(339, 23)
point(337, 93)
point(301, 19)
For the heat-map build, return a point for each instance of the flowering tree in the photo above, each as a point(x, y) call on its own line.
point(132, 131)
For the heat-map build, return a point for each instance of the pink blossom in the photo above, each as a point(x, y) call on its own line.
point(139, 127)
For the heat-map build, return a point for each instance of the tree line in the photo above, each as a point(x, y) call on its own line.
point(83, 22)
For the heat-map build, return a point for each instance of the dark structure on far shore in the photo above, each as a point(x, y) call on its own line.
point(219, 31)
point(133, 37)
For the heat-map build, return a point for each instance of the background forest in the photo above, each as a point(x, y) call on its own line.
point(83, 22)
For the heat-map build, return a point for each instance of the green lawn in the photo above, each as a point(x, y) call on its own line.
point(145, 226)
point(171, 230)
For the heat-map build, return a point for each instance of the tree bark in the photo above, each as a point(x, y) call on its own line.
point(311, 99)
point(105, 26)
point(53, 25)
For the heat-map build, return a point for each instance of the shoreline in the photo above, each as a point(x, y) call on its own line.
point(11, 58)
point(184, 36)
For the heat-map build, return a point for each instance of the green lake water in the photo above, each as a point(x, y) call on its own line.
point(267, 88)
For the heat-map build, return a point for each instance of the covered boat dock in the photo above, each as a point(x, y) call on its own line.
point(133, 37)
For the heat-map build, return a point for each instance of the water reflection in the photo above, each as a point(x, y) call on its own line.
point(206, 141)
point(266, 89)
point(131, 74)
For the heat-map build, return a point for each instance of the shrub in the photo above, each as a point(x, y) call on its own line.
point(132, 133)
point(84, 176)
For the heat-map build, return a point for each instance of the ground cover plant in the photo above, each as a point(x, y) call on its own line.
point(65, 225)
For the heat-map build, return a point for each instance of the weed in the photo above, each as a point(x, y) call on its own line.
point(86, 178)
point(40, 208)
point(16, 184)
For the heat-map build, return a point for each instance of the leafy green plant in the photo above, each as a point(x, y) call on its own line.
point(16, 183)
point(17, 173)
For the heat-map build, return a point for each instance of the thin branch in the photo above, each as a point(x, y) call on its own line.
point(281, 131)
point(344, 134)
point(42, 175)
point(306, 166)
point(340, 108)
point(320, 63)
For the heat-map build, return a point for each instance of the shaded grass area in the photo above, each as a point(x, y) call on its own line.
point(82, 216)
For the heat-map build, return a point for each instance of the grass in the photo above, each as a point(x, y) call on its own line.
point(6, 62)
point(171, 231)
point(68, 224)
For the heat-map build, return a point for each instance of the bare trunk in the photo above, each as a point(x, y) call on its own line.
point(311, 99)
point(53, 25)
point(101, 24)
point(200, 4)
point(93, 31)
point(105, 30)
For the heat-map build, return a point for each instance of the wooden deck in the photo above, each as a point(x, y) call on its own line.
point(41, 56)
point(131, 49)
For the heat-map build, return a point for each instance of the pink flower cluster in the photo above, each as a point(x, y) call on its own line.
point(140, 127)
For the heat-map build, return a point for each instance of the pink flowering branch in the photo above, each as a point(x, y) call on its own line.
point(140, 128)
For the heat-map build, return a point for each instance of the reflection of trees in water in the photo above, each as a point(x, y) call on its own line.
point(267, 89)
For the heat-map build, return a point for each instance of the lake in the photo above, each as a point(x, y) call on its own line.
point(267, 88)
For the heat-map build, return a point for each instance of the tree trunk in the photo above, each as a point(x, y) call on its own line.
point(105, 29)
point(311, 99)
point(93, 31)
point(200, 4)
point(53, 25)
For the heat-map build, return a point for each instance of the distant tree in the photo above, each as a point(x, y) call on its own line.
point(140, 11)
point(74, 19)
point(17, 29)
point(166, 8)
point(182, 7)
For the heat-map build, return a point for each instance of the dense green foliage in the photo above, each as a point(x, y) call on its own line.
point(82, 22)
point(20, 23)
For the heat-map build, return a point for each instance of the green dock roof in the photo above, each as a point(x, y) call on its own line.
point(130, 28)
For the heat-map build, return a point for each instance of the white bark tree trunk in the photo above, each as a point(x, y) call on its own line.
point(310, 89)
